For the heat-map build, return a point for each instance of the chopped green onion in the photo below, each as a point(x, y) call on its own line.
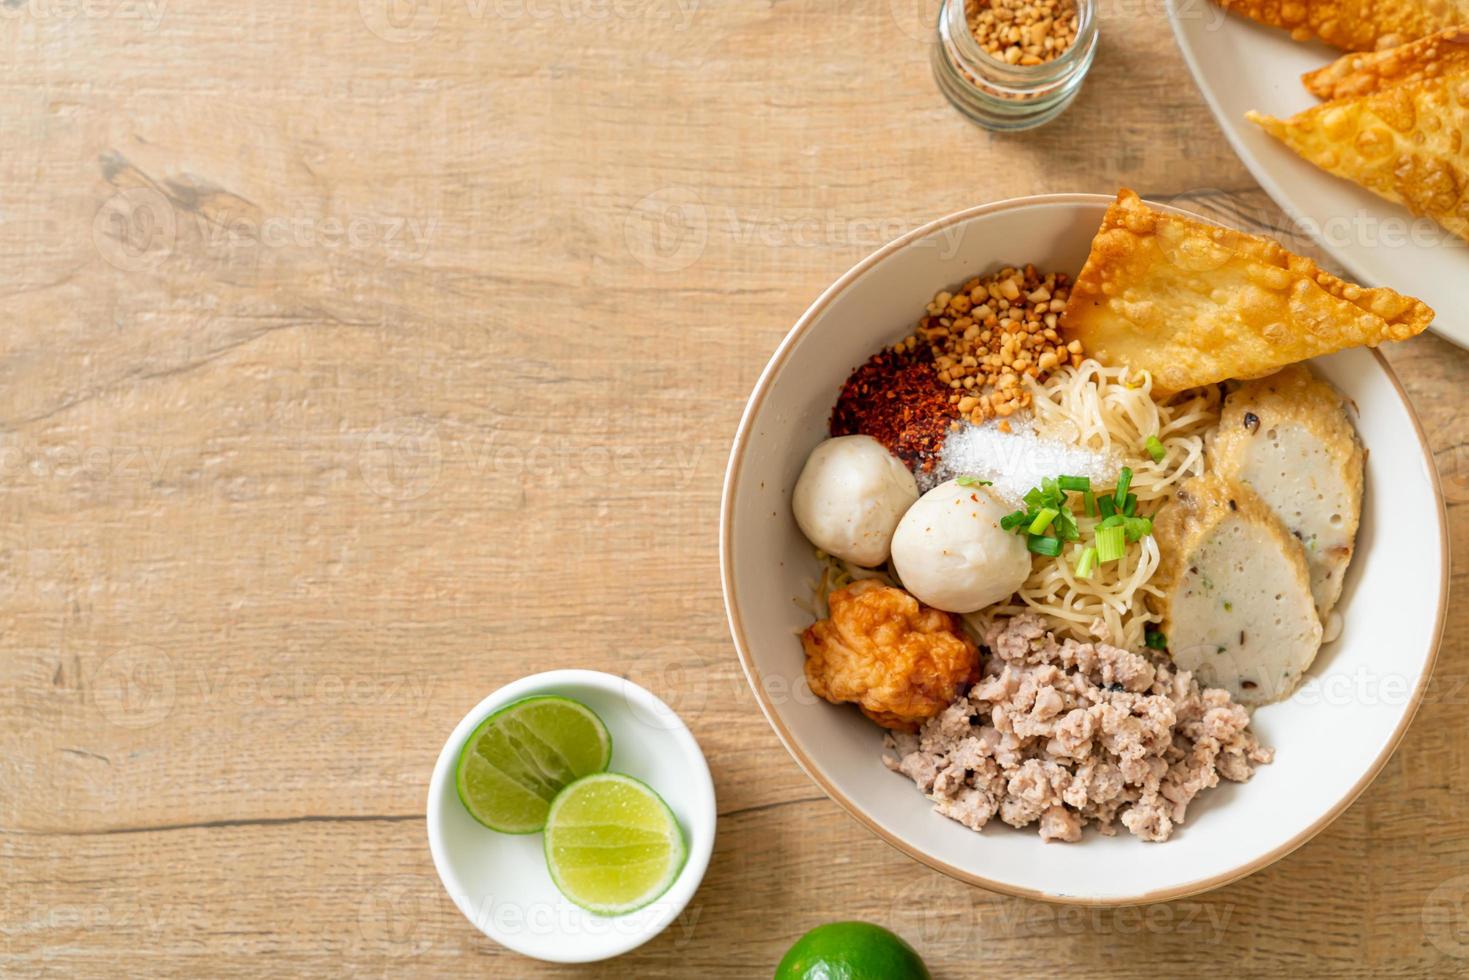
point(1129, 506)
point(1011, 521)
point(1124, 480)
point(1044, 545)
point(1155, 449)
point(1043, 520)
point(1034, 499)
point(1050, 488)
point(973, 481)
point(1155, 640)
point(1116, 520)
point(1106, 507)
point(1066, 528)
point(1086, 563)
point(1111, 544)
point(1137, 528)
point(1089, 500)
point(1074, 482)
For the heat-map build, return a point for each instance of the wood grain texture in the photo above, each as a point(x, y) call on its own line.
point(359, 357)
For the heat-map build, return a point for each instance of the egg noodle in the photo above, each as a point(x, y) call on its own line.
point(1112, 411)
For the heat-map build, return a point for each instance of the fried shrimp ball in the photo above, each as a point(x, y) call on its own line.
point(900, 661)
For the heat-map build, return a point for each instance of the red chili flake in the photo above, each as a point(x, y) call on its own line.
point(897, 399)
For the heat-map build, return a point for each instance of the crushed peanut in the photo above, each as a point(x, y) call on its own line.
point(1022, 32)
point(991, 332)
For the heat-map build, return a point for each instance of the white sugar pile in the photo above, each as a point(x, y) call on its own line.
point(1016, 461)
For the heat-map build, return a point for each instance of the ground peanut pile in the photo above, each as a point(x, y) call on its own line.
point(1065, 733)
point(991, 333)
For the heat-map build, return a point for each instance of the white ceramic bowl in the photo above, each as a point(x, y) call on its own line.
point(1331, 737)
point(500, 882)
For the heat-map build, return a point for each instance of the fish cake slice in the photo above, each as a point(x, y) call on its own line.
point(1405, 143)
point(1437, 55)
point(1287, 437)
point(1193, 304)
point(1235, 592)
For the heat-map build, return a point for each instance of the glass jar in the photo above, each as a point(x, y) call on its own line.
point(998, 95)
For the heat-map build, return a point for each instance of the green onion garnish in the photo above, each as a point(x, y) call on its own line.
point(1111, 544)
point(1116, 520)
point(1129, 506)
point(1043, 520)
point(1155, 449)
point(1011, 521)
point(1124, 480)
point(1066, 528)
point(1089, 500)
point(973, 481)
point(1033, 498)
point(1086, 563)
point(1137, 528)
point(1106, 507)
point(1155, 640)
point(1074, 482)
point(1044, 545)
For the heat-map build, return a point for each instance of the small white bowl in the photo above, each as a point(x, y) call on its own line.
point(500, 881)
point(1331, 737)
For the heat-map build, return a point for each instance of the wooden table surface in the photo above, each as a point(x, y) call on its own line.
point(359, 358)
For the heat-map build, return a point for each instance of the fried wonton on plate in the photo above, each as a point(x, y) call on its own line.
point(1355, 25)
point(1192, 303)
point(1438, 55)
point(1406, 143)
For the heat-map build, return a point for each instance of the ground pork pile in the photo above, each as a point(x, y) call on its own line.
point(1065, 733)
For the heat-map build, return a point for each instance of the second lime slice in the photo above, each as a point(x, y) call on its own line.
point(612, 844)
point(520, 757)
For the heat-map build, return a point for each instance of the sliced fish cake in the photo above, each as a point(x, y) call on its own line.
point(1288, 438)
point(1236, 592)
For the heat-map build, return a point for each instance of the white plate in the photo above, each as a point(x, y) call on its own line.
point(1241, 65)
point(500, 882)
point(1330, 738)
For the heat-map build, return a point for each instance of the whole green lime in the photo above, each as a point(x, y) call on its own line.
point(851, 951)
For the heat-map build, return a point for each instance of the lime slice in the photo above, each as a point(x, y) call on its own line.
point(520, 757)
point(612, 844)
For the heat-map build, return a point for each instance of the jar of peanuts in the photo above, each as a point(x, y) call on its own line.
point(1013, 64)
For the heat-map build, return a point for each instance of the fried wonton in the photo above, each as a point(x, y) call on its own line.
point(1408, 143)
point(1193, 304)
point(1355, 25)
point(1438, 55)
